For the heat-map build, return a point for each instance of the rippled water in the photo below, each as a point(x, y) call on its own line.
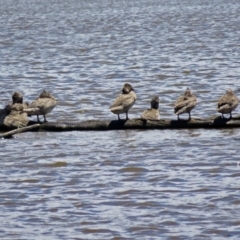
point(162, 184)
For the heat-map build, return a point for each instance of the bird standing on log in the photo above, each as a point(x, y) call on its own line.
point(42, 105)
point(227, 103)
point(185, 103)
point(124, 101)
point(153, 112)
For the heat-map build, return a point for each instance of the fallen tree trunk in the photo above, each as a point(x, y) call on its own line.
point(103, 125)
point(137, 123)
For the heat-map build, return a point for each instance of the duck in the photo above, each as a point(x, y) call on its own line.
point(227, 103)
point(17, 103)
point(153, 112)
point(17, 97)
point(185, 103)
point(124, 101)
point(43, 105)
point(12, 115)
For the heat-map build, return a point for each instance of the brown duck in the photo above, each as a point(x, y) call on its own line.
point(227, 103)
point(124, 101)
point(185, 103)
point(44, 104)
point(153, 112)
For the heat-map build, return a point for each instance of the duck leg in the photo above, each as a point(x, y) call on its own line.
point(45, 120)
point(38, 119)
point(126, 115)
point(119, 117)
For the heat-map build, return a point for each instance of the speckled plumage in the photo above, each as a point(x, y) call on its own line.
point(42, 105)
point(227, 103)
point(16, 104)
point(185, 103)
point(124, 101)
point(153, 112)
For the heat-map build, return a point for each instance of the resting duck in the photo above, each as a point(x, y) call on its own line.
point(41, 106)
point(153, 112)
point(124, 101)
point(227, 103)
point(185, 103)
point(17, 103)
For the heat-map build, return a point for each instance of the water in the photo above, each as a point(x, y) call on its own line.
point(179, 184)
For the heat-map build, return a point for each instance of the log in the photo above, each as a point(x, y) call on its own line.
point(138, 123)
point(19, 130)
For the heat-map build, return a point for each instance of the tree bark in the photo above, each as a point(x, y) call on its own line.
point(104, 125)
point(137, 123)
point(19, 130)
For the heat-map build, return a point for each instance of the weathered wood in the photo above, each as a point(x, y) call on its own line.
point(19, 130)
point(103, 125)
point(137, 123)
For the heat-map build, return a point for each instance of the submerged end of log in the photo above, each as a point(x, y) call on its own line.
point(19, 130)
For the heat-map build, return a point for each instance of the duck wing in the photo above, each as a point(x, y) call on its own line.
point(151, 114)
point(184, 103)
point(123, 101)
point(226, 101)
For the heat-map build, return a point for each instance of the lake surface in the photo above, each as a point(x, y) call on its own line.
point(158, 184)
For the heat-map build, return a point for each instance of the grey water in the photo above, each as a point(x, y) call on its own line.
point(158, 184)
